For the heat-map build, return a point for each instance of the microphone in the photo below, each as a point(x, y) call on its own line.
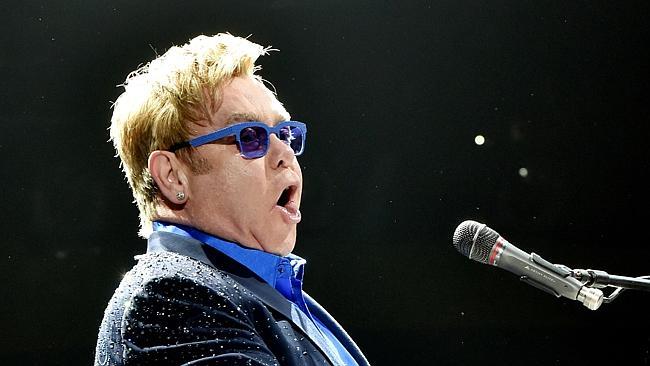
point(482, 244)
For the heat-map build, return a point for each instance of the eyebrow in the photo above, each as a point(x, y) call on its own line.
point(248, 117)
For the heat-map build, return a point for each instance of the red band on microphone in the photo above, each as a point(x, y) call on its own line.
point(496, 250)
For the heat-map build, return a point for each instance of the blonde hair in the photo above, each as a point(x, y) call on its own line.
point(161, 98)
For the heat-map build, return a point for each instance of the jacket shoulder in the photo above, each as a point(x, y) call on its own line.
point(168, 302)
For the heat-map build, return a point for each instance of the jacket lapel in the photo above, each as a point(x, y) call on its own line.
point(275, 300)
point(164, 241)
point(336, 329)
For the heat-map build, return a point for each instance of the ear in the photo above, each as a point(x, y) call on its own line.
point(168, 173)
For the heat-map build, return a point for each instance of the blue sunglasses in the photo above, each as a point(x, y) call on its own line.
point(253, 137)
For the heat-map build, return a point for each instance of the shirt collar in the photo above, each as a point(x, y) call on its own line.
point(273, 269)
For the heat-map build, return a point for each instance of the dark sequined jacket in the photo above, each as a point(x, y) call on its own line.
point(185, 303)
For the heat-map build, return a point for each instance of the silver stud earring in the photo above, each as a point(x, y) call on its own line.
point(180, 196)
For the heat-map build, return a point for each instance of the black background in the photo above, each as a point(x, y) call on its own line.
point(394, 94)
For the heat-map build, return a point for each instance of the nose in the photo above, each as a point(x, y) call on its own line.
point(279, 154)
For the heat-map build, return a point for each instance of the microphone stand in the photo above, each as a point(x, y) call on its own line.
point(602, 279)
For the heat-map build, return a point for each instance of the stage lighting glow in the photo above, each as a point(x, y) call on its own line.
point(479, 140)
point(523, 172)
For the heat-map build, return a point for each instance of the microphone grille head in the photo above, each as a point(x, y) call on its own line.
point(474, 240)
point(464, 236)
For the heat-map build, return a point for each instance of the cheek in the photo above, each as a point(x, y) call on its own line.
point(247, 188)
point(299, 171)
point(218, 191)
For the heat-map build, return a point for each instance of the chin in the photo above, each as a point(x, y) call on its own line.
point(281, 250)
point(284, 246)
point(276, 240)
point(287, 249)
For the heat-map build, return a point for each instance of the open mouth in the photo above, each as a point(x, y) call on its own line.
point(287, 204)
point(286, 196)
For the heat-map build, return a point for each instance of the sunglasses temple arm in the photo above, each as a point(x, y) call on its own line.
point(179, 146)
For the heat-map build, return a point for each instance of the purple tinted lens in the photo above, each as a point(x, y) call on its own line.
point(253, 142)
point(292, 136)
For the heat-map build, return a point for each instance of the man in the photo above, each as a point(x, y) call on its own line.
point(210, 155)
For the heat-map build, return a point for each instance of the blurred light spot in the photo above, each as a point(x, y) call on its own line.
point(479, 140)
point(523, 172)
point(60, 254)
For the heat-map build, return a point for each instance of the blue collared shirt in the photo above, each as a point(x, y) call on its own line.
point(285, 274)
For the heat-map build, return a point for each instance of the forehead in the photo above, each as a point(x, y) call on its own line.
point(247, 99)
